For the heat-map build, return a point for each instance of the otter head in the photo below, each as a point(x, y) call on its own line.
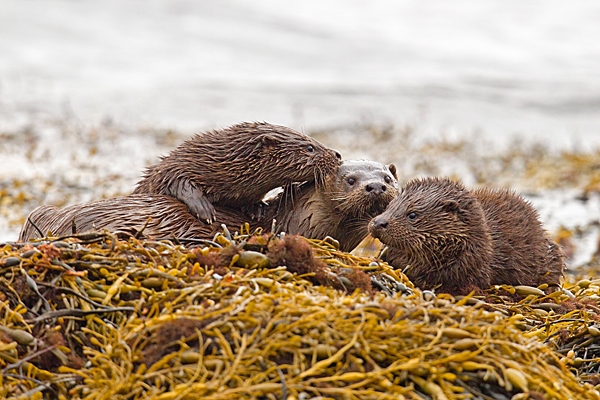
point(434, 224)
point(362, 188)
point(290, 156)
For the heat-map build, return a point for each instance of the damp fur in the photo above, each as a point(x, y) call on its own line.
point(447, 237)
point(237, 167)
point(343, 207)
point(334, 209)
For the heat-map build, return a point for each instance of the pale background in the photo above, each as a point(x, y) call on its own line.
point(502, 68)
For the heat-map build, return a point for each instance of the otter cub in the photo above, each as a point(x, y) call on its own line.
point(237, 166)
point(343, 206)
point(456, 240)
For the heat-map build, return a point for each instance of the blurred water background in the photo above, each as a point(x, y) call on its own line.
point(493, 68)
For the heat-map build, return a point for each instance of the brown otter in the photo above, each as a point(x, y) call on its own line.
point(456, 240)
point(237, 166)
point(341, 208)
point(145, 215)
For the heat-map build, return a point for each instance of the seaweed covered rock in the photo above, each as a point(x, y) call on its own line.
point(96, 317)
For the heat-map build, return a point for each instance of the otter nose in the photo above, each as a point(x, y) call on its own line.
point(380, 222)
point(337, 155)
point(375, 188)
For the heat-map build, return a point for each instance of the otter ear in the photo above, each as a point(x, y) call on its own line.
point(451, 206)
point(392, 168)
point(265, 141)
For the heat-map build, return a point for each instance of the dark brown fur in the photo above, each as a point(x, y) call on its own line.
point(160, 216)
point(237, 166)
point(344, 206)
point(336, 209)
point(459, 240)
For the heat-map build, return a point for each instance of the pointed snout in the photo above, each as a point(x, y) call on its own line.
point(378, 225)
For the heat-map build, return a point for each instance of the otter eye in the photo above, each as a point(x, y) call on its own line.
point(351, 181)
point(387, 179)
point(411, 215)
point(310, 148)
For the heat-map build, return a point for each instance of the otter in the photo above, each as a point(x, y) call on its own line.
point(457, 240)
point(237, 166)
point(137, 215)
point(341, 208)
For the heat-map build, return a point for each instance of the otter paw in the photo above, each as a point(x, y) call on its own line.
point(202, 209)
point(194, 199)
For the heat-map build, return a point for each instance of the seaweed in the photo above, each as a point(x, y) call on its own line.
point(256, 315)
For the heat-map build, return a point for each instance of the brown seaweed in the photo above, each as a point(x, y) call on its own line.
point(99, 317)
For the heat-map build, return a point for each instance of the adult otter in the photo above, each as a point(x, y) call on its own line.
point(341, 208)
point(237, 166)
point(456, 240)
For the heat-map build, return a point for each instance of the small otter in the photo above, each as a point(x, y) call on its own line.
point(456, 240)
point(145, 215)
point(343, 207)
point(237, 166)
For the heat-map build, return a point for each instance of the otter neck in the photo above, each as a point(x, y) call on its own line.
point(307, 211)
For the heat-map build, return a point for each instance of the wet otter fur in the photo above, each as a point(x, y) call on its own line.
point(237, 166)
point(343, 207)
point(456, 240)
point(137, 215)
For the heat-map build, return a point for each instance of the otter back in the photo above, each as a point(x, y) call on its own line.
point(523, 252)
point(157, 216)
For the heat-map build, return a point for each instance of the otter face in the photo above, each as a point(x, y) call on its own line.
point(269, 156)
point(317, 162)
point(428, 221)
point(363, 188)
point(301, 157)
